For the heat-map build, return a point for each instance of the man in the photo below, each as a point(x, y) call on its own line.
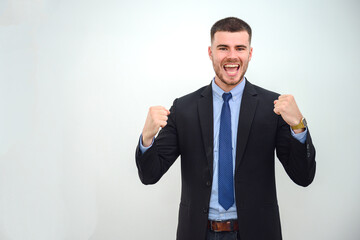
point(226, 134)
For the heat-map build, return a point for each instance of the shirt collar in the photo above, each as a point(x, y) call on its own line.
point(236, 92)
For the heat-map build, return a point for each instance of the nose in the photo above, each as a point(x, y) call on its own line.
point(232, 54)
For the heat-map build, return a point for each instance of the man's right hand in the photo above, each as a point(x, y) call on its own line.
point(157, 117)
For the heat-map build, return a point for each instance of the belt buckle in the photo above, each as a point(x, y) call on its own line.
point(211, 226)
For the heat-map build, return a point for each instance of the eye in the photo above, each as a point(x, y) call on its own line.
point(222, 49)
point(240, 49)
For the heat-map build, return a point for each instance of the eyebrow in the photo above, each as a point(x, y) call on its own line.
point(237, 46)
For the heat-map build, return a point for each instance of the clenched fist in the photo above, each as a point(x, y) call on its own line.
point(286, 106)
point(157, 117)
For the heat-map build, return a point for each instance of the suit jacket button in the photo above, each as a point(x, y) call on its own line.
point(208, 183)
point(205, 210)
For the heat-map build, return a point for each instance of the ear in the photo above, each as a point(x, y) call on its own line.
point(210, 52)
point(250, 53)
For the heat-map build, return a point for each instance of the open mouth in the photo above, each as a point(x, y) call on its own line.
point(231, 69)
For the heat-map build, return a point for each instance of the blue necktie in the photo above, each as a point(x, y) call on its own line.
point(226, 180)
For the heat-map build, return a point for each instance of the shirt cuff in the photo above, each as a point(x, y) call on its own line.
point(301, 137)
point(141, 146)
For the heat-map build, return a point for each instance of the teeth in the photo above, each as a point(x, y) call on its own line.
point(231, 66)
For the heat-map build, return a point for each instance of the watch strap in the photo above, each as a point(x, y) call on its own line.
point(301, 125)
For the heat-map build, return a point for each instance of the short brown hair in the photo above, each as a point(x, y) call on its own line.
point(230, 24)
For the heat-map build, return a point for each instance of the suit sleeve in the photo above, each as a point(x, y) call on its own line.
point(297, 158)
point(155, 162)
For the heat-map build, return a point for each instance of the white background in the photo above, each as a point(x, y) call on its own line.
point(76, 81)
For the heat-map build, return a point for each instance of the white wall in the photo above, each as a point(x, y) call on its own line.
point(77, 78)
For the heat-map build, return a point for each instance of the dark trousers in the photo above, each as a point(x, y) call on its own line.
point(211, 235)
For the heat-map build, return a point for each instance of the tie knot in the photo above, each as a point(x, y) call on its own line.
point(226, 97)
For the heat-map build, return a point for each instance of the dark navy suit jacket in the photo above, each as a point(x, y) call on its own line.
point(189, 134)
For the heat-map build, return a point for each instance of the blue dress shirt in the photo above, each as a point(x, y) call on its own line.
point(216, 211)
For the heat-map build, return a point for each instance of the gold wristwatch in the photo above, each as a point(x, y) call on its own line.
point(302, 124)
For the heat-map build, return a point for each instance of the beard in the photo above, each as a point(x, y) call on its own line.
point(230, 81)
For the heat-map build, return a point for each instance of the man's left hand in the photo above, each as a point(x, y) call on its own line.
point(286, 106)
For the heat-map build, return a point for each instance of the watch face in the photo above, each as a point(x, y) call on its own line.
point(304, 122)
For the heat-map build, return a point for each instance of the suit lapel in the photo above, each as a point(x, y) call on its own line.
point(247, 111)
point(205, 110)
